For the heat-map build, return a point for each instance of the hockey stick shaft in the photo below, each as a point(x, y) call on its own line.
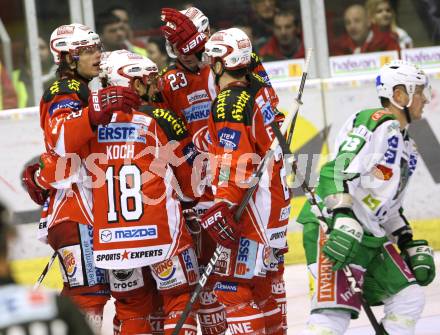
point(262, 166)
point(300, 92)
point(45, 271)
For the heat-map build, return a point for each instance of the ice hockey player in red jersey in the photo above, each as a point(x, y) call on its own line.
point(188, 89)
point(240, 128)
point(138, 164)
point(143, 161)
point(192, 99)
point(69, 117)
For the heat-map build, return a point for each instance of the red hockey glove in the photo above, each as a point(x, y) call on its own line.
point(37, 194)
point(103, 103)
point(182, 32)
point(192, 220)
point(219, 222)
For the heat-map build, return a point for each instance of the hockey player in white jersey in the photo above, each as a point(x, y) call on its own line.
point(363, 189)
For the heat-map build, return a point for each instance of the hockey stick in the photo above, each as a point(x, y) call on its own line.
point(298, 98)
point(249, 192)
point(45, 271)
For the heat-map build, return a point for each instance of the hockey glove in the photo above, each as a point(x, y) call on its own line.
point(37, 194)
point(181, 32)
point(192, 220)
point(103, 103)
point(219, 222)
point(420, 258)
point(344, 241)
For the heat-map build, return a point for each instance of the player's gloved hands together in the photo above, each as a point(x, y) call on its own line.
point(344, 241)
point(104, 102)
point(37, 194)
point(192, 220)
point(420, 258)
point(219, 222)
point(181, 32)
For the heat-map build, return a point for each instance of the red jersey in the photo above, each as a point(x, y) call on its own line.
point(137, 211)
point(239, 126)
point(376, 41)
point(65, 122)
point(189, 94)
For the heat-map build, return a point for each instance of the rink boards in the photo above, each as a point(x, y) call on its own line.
point(326, 105)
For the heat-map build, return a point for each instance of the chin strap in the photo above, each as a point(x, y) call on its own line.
point(405, 109)
point(407, 115)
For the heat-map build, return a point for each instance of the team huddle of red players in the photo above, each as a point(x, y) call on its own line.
point(140, 181)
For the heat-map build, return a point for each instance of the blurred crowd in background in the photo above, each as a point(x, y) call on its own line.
point(274, 27)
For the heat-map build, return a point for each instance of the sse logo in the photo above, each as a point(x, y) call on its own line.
point(164, 270)
point(242, 258)
point(69, 263)
point(190, 269)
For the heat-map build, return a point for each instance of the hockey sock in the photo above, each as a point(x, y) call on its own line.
point(211, 314)
point(173, 308)
point(273, 318)
point(242, 313)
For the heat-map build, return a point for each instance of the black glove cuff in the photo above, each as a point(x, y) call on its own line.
point(344, 211)
point(403, 235)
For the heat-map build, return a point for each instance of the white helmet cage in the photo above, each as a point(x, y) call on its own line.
point(232, 46)
point(121, 67)
point(72, 38)
point(400, 72)
point(199, 19)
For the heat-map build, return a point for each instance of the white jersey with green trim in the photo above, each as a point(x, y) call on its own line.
point(374, 163)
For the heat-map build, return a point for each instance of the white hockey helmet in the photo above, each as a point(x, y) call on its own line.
point(71, 38)
point(120, 67)
point(199, 19)
point(400, 72)
point(232, 46)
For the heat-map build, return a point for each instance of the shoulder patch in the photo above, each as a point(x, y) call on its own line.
point(254, 57)
point(169, 122)
point(233, 105)
point(167, 68)
point(67, 86)
point(373, 118)
point(258, 78)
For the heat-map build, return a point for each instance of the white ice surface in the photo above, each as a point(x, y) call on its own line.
point(298, 306)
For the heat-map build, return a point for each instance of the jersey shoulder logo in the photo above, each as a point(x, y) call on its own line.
point(233, 105)
point(67, 86)
point(373, 118)
point(167, 68)
point(169, 122)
